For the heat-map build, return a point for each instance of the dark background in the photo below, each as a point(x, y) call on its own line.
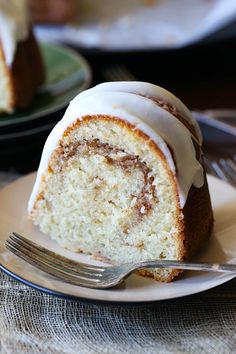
point(202, 75)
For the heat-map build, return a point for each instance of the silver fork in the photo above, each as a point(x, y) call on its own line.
point(224, 168)
point(90, 276)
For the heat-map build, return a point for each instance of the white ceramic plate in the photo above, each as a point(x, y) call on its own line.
point(131, 25)
point(221, 249)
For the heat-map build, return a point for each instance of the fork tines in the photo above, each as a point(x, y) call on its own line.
point(224, 168)
point(68, 270)
point(118, 73)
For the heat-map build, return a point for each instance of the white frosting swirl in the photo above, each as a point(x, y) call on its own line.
point(14, 26)
point(150, 91)
point(129, 101)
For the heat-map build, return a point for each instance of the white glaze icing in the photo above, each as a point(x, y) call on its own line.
point(150, 91)
point(14, 26)
point(161, 126)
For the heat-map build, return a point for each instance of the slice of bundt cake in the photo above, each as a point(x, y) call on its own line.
point(21, 67)
point(121, 178)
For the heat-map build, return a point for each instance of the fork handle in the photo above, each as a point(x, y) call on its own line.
point(201, 266)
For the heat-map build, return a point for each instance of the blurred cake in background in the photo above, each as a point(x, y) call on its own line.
point(21, 66)
point(52, 11)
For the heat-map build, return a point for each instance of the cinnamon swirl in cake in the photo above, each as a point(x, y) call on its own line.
point(21, 67)
point(121, 178)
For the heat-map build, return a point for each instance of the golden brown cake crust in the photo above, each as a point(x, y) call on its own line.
point(26, 73)
point(198, 216)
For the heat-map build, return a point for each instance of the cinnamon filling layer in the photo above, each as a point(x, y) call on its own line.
point(145, 199)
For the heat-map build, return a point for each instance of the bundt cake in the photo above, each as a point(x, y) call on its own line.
point(121, 178)
point(21, 67)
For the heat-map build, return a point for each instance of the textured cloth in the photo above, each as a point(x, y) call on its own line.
point(32, 322)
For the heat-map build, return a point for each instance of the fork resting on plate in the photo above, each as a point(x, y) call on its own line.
point(91, 276)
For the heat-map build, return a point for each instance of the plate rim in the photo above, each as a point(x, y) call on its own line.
point(44, 112)
point(104, 302)
point(95, 300)
point(28, 132)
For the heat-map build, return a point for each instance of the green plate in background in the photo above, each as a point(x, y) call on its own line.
point(67, 74)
